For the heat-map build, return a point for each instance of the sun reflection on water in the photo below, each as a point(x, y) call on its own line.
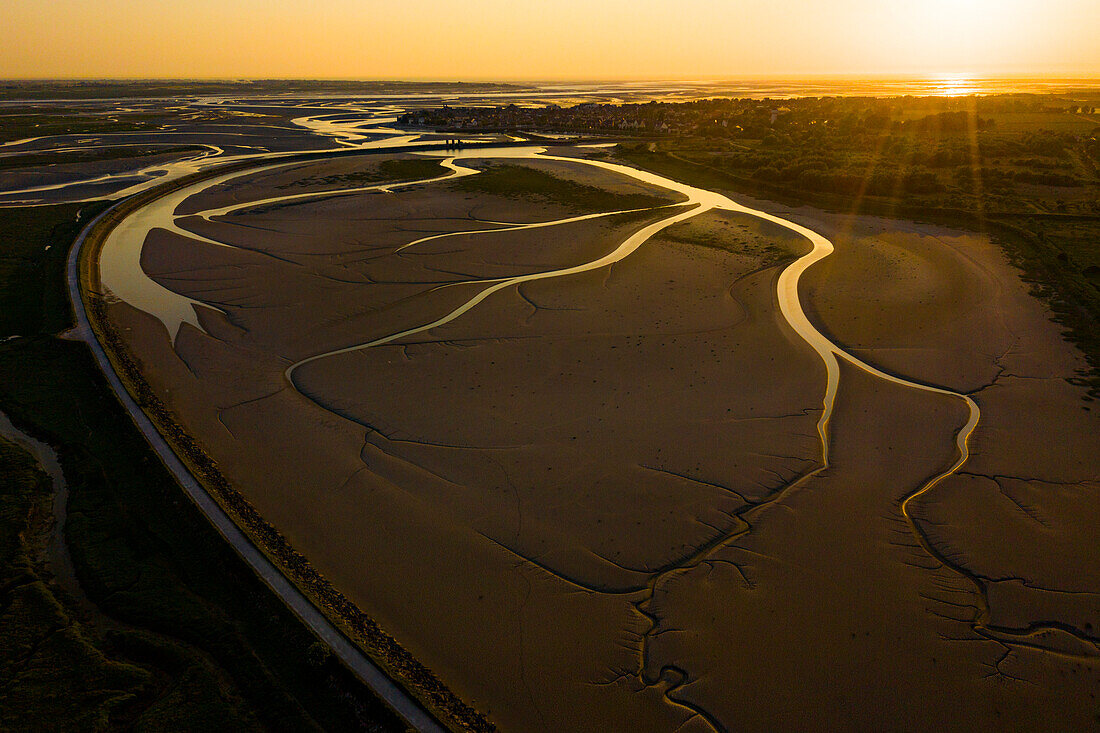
point(953, 85)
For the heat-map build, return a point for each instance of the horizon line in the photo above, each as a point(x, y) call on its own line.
point(682, 78)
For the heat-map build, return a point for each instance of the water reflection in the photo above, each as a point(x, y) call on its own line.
point(954, 85)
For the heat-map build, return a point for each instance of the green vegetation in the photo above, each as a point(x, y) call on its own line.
point(1023, 169)
point(182, 635)
point(519, 181)
point(768, 243)
point(411, 169)
point(92, 155)
point(49, 668)
point(34, 244)
point(992, 152)
point(41, 123)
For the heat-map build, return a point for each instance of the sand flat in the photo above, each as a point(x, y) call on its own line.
point(572, 502)
point(1021, 515)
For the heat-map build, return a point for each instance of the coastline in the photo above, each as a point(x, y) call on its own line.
point(195, 456)
point(304, 590)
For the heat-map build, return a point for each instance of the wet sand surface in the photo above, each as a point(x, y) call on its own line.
point(1022, 515)
point(66, 172)
point(574, 503)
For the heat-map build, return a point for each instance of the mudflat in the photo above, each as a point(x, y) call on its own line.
point(595, 501)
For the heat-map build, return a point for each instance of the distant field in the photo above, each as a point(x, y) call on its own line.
point(1073, 122)
point(93, 155)
point(1058, 121)
point(526, 182)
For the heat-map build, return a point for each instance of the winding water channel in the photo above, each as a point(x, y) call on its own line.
point(121, 273)
point(58, 560)
point(349, 126)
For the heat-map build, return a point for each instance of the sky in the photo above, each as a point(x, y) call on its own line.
point(545, 39)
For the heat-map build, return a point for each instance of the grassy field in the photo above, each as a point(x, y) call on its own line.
point(21, 126)
point(92, 155)
point(49, 667)
point(1012, 122)
point(34, 245)
point(183, 636)
point(519, 181)
point(1058, 253)
point(411, 169)
point(767, 243)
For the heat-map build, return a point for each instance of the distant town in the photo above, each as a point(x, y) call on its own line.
point(750, 118)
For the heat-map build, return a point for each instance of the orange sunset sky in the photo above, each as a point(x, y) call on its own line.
point(564, 39)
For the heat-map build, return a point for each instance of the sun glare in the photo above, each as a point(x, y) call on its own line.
point(975, 20)
point(953, 85)
point(952, 14)
point(956, 35)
